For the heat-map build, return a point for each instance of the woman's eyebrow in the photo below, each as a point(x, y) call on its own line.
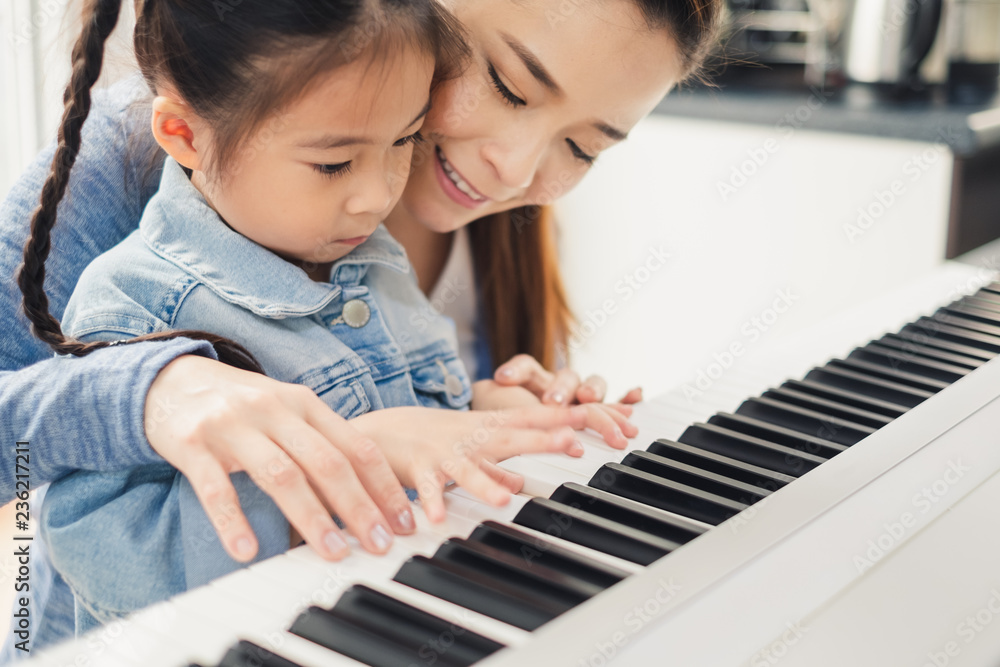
point(542, 75)
point(533, 64)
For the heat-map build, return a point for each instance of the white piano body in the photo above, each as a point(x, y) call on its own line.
point(886, 555)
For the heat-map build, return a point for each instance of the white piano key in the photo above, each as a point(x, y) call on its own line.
point(456, 614)
point(587, 552)
point(200, 639)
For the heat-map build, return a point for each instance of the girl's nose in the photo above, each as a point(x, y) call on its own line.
point(374, 196)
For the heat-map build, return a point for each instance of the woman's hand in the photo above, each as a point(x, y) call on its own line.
point(427, 447)
point(560, 388)
point(208, 420)
point(611, 421)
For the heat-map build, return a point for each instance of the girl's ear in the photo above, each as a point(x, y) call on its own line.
point(174, 125)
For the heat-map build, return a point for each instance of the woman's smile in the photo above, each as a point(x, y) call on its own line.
point(455, 185)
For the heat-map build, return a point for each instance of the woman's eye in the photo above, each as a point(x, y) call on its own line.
point(332, 170)
point(414, 138)
point(579, 154)
point(509, 97)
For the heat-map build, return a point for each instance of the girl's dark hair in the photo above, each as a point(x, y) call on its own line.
point(235, 62)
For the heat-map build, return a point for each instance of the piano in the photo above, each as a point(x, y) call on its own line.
point(843, 516)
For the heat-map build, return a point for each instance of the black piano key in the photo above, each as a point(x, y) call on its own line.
point(828, 407)
point(779, 435)
point(532, 550)
point(471, 589)
point(962, 320)
point(944, 331)
point(511, 571)
point(635, 515)
point(756, 451)
point(987, 295)
point(705, 480)
point(983, 301)
point(884, 390)
point(971, 312)
point(945, 352)
point(909, 363)
point(373, 628)
point(852, 398)
point(807, 421)
point(915, 334)
point(717, 463)
point(993, 287)
point(884, 373)
point(248, 654)
point(665, 494)
point(580, 527)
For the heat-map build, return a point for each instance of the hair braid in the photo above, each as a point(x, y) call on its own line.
point(101, 16)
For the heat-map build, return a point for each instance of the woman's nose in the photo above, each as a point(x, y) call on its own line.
point(515, 165)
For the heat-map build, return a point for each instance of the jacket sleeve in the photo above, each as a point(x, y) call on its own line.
point(79, 413)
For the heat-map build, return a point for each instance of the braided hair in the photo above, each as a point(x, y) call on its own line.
point(211, 53)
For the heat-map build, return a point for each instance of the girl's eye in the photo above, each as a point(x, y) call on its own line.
point(332, 170)
point(414, 138)
point(579, 154)
point(509, 97)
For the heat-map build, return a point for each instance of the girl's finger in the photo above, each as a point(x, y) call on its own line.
point(274, 471)
point(334, 474)
point(509, 480)
point(562, 389)
point(430, 488)
point(620, 413)
point(633, 396)
point(593, 390)
point(516, 441)
point(474, 479)
point(524, 371)
point(611, 424)
point(370, 465)
point(218, 497)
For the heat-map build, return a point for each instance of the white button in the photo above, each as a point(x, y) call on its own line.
point(453, 385)
point(356, 313)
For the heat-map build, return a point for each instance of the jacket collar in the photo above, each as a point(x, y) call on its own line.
point(182, 228)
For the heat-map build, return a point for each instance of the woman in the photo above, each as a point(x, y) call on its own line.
point(517, 130)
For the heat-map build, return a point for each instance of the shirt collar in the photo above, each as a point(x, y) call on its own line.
point(181, 227)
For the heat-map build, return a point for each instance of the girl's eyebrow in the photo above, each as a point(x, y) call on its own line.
point(330, 141)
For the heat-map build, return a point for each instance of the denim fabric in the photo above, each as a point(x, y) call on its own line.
point(125, 540)
point(76, 413)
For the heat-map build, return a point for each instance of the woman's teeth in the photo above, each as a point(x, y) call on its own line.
point(458, 180)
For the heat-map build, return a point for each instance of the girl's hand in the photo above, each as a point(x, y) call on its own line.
point(208, 420)
point(611, 421)
point(427, 447)
point(560, 388)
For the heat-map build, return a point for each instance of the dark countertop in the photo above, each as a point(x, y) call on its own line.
point(776, 99)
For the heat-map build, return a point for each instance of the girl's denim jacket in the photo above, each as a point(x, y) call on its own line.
point(125, 540)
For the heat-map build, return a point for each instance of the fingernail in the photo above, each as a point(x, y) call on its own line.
point(405, 520)
point(506, 373)
point(576, 448)
point(558, 397)
point(618, 432)
point(334, 542)
point(381, 538)
point(244, 547)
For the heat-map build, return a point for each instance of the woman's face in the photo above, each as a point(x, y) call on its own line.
point(551, 84)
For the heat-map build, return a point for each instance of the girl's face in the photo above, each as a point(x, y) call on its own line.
point(318, 178)
point(551, 84)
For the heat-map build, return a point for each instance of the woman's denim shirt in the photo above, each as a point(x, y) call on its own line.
point(125, 540)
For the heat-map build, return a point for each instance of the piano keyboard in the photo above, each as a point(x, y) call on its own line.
point(602, 549)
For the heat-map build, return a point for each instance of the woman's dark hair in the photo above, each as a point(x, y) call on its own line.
point(235, 62)
point(515, 252)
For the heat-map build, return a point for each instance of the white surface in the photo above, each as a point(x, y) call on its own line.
point(783, 230)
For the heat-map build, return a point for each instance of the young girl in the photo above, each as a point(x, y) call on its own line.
point(289, 127)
